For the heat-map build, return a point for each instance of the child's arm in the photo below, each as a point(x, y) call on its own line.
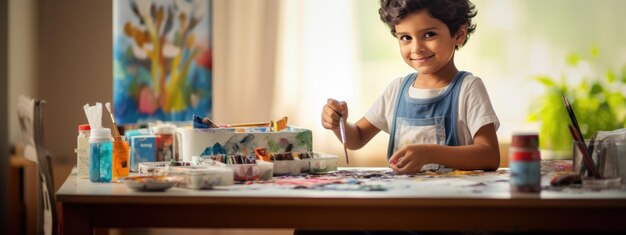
point(357, 134)
point(484, 154)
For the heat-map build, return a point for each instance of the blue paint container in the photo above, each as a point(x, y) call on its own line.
point(100, 155)
point(143, 149)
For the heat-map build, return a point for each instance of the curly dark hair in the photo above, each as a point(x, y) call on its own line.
point(453, 13)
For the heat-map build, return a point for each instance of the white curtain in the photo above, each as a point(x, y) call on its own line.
point(276, 58)
point(244, 59)
point(316, 60)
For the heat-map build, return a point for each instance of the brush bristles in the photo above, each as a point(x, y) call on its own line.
point(108, 105)
point(115, 131)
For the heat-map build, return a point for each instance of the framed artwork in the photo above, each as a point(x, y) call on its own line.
point(162, 60)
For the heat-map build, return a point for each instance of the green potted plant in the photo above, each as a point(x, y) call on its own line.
point(597, 99)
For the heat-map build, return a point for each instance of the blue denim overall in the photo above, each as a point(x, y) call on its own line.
point(425, 121)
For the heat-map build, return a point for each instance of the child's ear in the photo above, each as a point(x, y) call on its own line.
point(461, 35)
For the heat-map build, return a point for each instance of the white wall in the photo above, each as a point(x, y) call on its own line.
point(75, 41)
point(76, 63)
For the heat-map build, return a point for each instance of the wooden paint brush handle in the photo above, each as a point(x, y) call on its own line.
point(253, 124)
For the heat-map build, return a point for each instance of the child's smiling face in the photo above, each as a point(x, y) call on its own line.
point(426, 44)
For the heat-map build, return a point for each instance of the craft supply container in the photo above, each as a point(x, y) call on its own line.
point(195, 142)
point(199, 177)
point(143, 149)
point(259, 171)
point(82, 151)
point(609, 159)
point(525, 163)
point(152, 168)
point(100, 155)
point(288, 167)
point(322, 162)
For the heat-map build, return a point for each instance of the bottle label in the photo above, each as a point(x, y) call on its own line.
point(525, 173)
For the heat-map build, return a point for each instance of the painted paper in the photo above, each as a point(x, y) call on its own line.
point(162, 60)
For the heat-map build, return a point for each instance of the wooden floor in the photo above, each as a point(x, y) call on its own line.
point(199, 231)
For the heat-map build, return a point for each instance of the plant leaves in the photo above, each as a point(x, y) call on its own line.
point(610, 76)
point(595, 52)
point(546, 81)
point(624, 74)
point(596, 88)
point(572, 59)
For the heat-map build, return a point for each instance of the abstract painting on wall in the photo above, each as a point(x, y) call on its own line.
point(162, 60)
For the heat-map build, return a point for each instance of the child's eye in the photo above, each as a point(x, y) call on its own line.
point(430, 34)
point(405, 38)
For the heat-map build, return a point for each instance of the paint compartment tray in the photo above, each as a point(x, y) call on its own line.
point(151, 168)
point(321, 163)
point(199, 177)
point(289, 167)
point(259, 171)
point(315, 162)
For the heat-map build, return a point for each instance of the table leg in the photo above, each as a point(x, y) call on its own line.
point(75, 219)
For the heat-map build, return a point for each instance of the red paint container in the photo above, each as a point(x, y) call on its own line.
point(525, 163)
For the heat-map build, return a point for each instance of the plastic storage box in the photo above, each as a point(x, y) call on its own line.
point(322, 162)
point(259, 171)
point(199, 177)
point(242, 172)
point(151, 168)
point(198, 142)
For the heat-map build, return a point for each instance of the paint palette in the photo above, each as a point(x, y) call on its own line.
point(311, 162)
point(148, 183)
point(242, 172)
point(259, 171)
point(322, 162)
point(290, 167)
point(151, 168)
point(200, 177)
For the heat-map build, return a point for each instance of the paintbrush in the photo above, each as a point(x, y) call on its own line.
point(342, 133)
point(586, 158)
point(590, 148)
point(115, 130)
point(252, 124)
point(577, 134)
point(572, 117)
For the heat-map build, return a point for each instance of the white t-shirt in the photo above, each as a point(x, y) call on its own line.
point(475, 109)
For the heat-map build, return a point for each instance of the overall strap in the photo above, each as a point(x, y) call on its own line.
point(407, 81)
point(453, 138)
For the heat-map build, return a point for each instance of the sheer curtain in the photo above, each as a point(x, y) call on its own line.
point(316, 60)
point(276, 58)
point(244, 59)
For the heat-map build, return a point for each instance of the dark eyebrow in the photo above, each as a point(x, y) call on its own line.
point(422, 30)
point(429, 29)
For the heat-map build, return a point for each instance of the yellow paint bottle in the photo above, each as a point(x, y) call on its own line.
point(121, 158)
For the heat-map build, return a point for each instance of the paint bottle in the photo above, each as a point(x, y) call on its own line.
point(525, 163)
point(82, 151)
point(121, 158)
point(165, 142)
point(100, 155)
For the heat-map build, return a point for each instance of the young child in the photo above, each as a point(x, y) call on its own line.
point(437, 115)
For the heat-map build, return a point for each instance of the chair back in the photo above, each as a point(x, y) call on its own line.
point(30, 113)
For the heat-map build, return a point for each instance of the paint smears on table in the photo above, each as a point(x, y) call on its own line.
point(342, 180)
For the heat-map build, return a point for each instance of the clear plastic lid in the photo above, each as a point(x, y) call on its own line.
point(100, 135)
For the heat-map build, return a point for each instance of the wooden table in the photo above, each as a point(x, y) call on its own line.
point(422, 203)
